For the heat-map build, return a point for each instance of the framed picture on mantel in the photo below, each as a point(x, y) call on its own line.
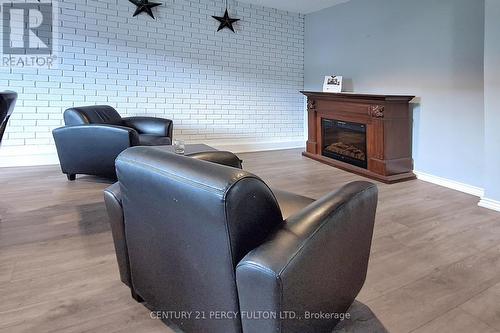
point(332, 84)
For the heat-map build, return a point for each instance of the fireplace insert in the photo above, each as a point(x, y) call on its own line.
point(344, 141)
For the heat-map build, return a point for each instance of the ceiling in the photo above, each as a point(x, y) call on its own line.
point(297, 6)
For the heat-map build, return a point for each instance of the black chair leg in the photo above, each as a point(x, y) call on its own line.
point(71, 176)
point(136, 296)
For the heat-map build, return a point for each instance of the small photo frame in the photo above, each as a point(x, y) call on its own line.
point(333, 84)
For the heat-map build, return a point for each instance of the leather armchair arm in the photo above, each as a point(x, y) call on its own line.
point(150, 125)
point(113, 201)
point(220, 157)
point(92, 149)
point(316, 262)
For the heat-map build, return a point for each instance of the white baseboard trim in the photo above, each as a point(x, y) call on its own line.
point(452, 184)
point(28, 156)
point(458, 186)
point(47, 155)
point(243, 147)
point(33, 160)
point(490, 204)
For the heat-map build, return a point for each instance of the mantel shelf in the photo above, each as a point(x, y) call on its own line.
point(356, 96)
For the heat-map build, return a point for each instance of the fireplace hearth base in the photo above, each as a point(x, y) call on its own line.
point(388, 121)
point(400, 177)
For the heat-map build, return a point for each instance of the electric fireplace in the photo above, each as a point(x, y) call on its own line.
point(366, 134)
point(344, 141)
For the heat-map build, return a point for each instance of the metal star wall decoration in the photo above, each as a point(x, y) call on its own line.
point(144, 6)
point(225, 21)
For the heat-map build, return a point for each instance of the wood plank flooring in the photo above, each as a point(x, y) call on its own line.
point(435, 263)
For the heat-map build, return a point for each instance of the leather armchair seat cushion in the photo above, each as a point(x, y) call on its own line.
point(290, 203)
point(154, 140)
point(219, 157)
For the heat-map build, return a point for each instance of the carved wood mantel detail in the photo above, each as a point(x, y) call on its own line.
point(388, 123)
point(311, 105)
point(377, 111)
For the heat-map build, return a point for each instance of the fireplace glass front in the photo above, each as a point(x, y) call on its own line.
point(344, 141)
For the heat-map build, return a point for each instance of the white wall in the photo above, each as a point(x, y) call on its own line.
point(492, 105)
point(428, 48)
point(219, 88)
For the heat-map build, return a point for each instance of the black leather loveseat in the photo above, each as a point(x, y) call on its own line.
point(213, 249)
point(95, 135)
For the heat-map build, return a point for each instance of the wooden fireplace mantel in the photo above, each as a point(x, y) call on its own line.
point(388, 120)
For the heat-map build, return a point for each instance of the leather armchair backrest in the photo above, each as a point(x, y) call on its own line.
point(97, 114)
point(7, 103)
point(188, 223)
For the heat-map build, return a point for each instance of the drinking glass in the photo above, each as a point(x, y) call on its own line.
point(179, 147)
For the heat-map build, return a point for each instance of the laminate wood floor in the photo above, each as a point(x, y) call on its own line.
point(435, 263)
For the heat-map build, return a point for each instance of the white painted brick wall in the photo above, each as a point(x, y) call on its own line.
point(216, 86)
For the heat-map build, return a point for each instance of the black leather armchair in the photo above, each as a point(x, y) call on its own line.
point(95, 135)
point(7, 103)
point(217, 243)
